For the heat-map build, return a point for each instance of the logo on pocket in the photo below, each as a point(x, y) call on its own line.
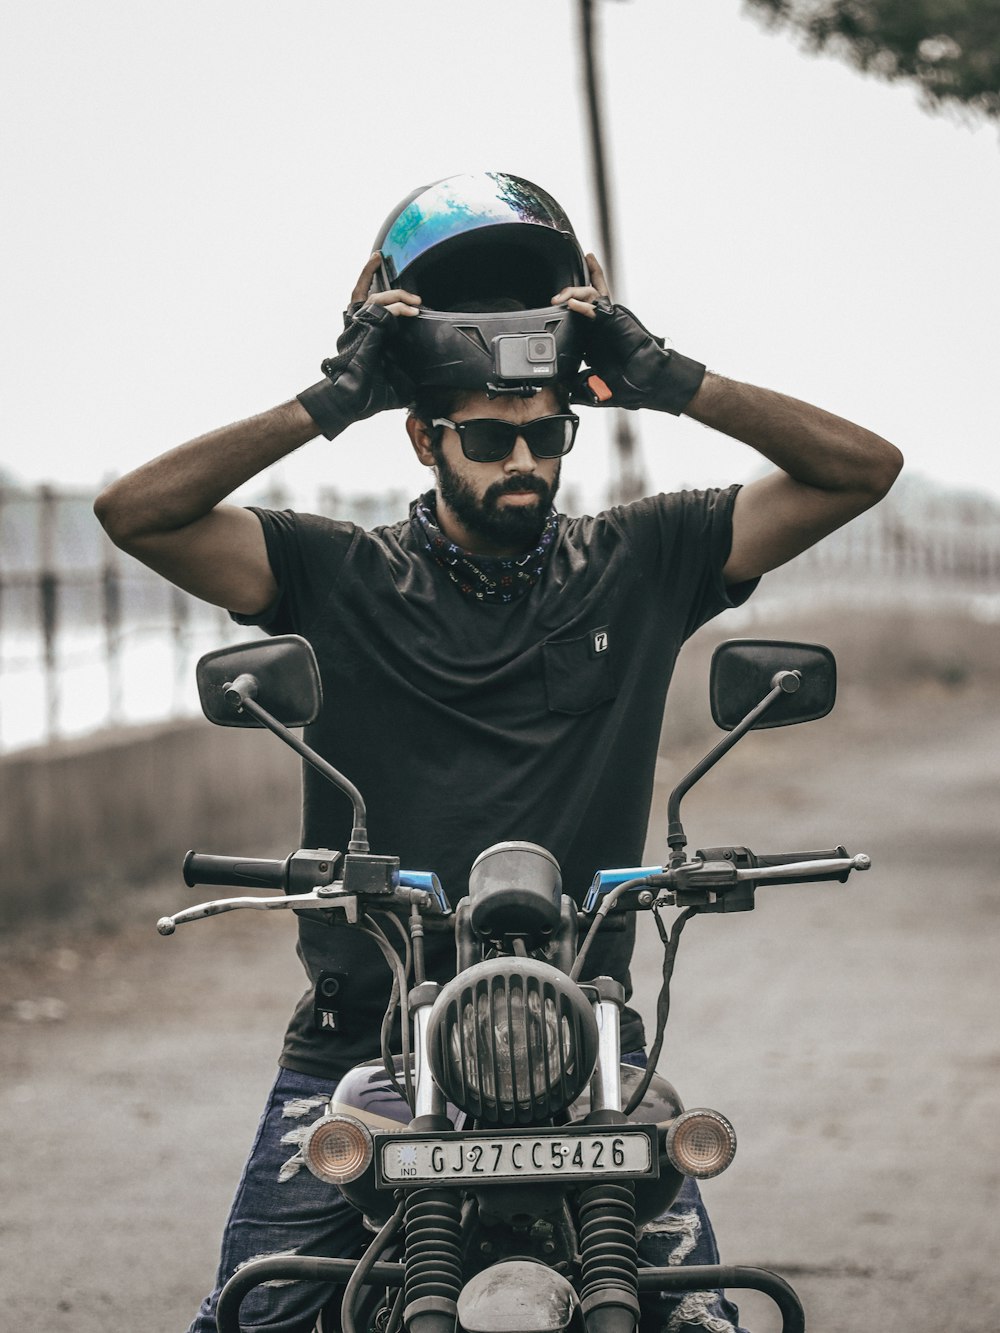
point(600, 640)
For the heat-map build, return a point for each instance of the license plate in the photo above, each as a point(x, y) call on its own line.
point(474, 1158)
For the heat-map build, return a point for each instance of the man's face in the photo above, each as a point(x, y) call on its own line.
point(501, 507)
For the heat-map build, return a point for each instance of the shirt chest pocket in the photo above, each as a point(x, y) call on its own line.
point(579, 672)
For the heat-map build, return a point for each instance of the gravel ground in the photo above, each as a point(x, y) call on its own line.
point(848, 1031)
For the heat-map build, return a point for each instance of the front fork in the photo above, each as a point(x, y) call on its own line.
point(609, 1259)
point(428, 1098)
point(606, 1081)
point(432, 1278)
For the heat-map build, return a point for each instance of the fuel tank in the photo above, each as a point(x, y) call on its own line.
point(366, 1093)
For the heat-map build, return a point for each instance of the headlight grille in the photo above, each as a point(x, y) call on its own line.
point(513, 1041)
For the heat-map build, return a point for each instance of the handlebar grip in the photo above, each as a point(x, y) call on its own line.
point(235, 871)
point(789, 858)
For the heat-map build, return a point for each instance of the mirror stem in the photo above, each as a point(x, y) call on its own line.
point(359, 834)
point(783, 682)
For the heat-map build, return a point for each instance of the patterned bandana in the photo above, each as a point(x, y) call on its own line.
point(486, 578)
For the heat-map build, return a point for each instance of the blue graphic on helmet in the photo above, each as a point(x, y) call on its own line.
point(461, 204)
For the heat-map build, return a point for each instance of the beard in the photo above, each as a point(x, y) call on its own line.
point(500, 525)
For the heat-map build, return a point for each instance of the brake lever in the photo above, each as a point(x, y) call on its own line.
point(724, 886)
point(323, 896)
point(420, 889)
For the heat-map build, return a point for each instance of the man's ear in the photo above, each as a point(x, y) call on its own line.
point(420, 438)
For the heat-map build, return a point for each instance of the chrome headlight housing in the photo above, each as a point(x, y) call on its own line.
point(512, 1041)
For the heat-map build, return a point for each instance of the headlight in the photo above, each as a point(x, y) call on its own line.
point(337, 1149)
point(512, 1041)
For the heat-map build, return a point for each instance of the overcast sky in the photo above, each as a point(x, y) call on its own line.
point(191, 188)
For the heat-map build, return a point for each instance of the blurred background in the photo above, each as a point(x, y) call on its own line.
point(803, 195)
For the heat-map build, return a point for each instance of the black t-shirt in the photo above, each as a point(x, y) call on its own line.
point(466, 723)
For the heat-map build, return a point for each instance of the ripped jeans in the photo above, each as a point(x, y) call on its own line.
point(281, 1208)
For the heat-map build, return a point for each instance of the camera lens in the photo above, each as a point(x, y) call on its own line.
point(542, 349)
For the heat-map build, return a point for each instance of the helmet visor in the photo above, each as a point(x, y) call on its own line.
point(452, 208)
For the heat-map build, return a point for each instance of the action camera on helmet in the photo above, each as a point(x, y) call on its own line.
point(485, 253)
point(520, 354)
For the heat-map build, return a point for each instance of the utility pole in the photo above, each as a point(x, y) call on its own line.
point(630, 483)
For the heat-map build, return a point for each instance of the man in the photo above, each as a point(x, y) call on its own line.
point(491, 669)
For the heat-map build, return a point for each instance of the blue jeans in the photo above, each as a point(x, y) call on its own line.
point(281, 1208)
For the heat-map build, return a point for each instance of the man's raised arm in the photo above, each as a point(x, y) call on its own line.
point(831, 471)
point(170, 513)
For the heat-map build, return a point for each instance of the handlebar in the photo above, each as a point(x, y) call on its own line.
point(202, 868)
point(715, 879)
point(710, 873)
point(714, 874)
point(725, 879)
point(306, 879)
point(793, 858)
point(298, 873)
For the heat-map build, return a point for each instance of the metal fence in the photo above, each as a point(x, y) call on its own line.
point(88, 636)
point(91, 638)
point(922, 546)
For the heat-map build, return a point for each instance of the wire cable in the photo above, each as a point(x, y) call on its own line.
point(600, 915)
point(397, 997)
point(662, 1006)
point(364, 1267)
point(403, 935)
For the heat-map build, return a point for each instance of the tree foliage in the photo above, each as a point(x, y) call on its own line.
point(949, 48)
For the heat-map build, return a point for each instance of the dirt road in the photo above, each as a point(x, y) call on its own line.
point(849, 1032)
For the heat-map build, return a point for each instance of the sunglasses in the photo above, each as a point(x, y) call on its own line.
point(488, 440)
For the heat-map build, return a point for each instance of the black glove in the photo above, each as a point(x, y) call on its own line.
point(360, 379)
point(631, 368)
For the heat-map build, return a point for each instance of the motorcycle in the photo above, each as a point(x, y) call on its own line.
point(506, 1158)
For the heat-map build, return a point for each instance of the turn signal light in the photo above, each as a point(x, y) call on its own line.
point(700, 1143)
point(338, 1149)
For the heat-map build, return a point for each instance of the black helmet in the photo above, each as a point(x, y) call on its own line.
point(485, 253)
